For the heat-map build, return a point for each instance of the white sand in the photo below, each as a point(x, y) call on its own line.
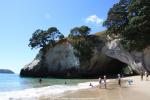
point(139, 90)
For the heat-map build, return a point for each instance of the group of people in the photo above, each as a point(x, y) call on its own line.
point(103, 81)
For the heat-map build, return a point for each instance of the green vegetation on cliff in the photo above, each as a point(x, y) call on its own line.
point(130, 21)
point(82, 42)
point(79, 37)
point(40, 38)
point(78, 55)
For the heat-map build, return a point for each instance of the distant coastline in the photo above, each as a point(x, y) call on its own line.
point(6, 71)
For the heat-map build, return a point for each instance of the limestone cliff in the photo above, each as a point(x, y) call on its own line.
point(107, 56)
point(137, 61)
point(62, 61)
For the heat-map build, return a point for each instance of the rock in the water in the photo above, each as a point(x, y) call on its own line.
point(61, 61)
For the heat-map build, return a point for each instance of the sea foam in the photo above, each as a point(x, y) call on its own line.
point(36, 93)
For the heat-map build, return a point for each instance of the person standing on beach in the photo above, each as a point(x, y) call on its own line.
point(105, 81)
point(100, 82)
point(142, 74)
point(119, 80)
point(146, 75)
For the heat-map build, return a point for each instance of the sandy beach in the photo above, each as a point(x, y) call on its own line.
point(138, 90)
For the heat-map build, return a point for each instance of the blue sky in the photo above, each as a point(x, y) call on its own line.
point(20, 18)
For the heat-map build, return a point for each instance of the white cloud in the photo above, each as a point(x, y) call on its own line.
point(94, 19)
point(47, 16)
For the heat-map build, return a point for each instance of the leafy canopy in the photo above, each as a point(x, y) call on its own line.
point(130, 20)
point(82, 42)
point(80, 31)
point(41, 38)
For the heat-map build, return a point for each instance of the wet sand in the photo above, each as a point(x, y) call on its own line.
point(138, 90)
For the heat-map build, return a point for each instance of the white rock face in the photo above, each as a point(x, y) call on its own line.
point(61, 57)
point(137, 61)
point(61, 60)
point(35, 62)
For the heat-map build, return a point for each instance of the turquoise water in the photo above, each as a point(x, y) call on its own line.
point(12, 82)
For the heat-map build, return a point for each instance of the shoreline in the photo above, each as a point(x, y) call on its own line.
point(138, 90)
point(46, 91)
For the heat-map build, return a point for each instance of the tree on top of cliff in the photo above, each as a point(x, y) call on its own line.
point(41, 38)
point(82, 42)
point(117, 17)
point(130, 20)
point(82, 31)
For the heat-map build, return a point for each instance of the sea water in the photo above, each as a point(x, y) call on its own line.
point(14, 87)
